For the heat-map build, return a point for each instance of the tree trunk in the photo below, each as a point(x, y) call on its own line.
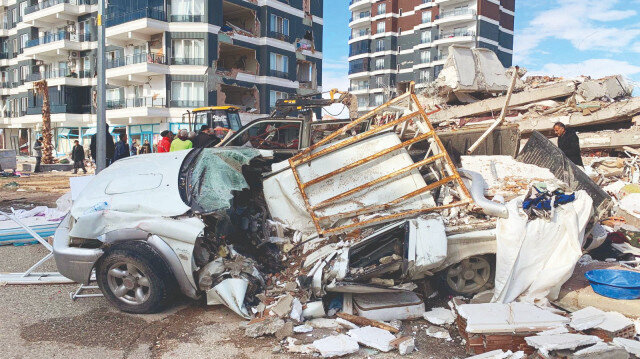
point(42, 88)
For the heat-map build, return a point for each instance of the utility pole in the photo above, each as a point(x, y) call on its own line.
point(101, 111)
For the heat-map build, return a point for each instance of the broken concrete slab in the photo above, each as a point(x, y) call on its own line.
point(586, 318)
point(561, 341)
point(495, 104)
point(389, 306)
point(631, 346)
point(336, 346)
point(440, 316)
point(621, 111)
point(263, 326)
point(499, 354)
point(472, 70)
point(438, 332)
point(600, 351)
point(610, 87)
point(283, 306)
point(376, 338)
point(508, 318)
point(285, 331)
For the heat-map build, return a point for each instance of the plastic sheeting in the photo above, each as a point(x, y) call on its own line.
point(216, 174)
point(534, 258)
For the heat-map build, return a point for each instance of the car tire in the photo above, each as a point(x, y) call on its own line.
point(470, 276)
point(135, 278)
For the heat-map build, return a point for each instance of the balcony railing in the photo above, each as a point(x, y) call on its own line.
point(50, 3)
point(451, 35)
point(187, 18)
point(455, 12)
point(117, 19)
point(186, 103)
point(279, 36)
point(136, 102)
point(355, 1)
point(359, 87)
point(59, 36)
point(57, 73)
point(187, 61)
point(440, 57)
point(358, 68)
point(278, 73)
point(4, 55)
point(87, 37)
point(361, 15)
point(143, 57)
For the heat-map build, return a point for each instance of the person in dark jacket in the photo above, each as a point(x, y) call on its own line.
point(568, 142)
point(204, 137)
point(110, 147)
point(122, 148)
point(77, 156)
point(37, 150)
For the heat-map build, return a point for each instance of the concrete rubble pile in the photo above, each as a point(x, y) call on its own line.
point(470, 91)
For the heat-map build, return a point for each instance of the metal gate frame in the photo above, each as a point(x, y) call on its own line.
point(446, 172)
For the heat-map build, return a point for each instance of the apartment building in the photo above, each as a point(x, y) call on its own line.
point(163, 59)
point(394, 42)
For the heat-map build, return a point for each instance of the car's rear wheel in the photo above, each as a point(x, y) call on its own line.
point(470, 276)
point(135, 278)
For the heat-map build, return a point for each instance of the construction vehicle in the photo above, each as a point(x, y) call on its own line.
point(221, 119)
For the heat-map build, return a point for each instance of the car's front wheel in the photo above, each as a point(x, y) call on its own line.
point(135, 278)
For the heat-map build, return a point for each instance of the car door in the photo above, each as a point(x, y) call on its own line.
point(282, 136)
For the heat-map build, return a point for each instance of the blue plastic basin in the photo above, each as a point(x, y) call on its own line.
point(615, 283)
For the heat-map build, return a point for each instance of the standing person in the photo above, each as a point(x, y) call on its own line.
point(146, 147)
point(568, 142)
point(77, 156)
point(165, 143)
point(37, 149)
point(134, 147)
point(182, 142)
point(110, 146)
point(204, 137)
point(122, 148)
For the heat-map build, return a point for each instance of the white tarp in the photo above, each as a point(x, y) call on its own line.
point(536, 257)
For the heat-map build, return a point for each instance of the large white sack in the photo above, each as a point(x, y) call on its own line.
point(535, 258)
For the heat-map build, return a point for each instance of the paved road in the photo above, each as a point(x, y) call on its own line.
point(42, 322)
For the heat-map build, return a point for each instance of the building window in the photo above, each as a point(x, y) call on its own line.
point(24, 38)
point(382, 8)
point(275, 96)
point(363, 102)
point(380, 27)
point(23, 7)
point(188, 52)
point(378, 100)
point(426, 17)
point(380, 45)
point(187, 7)
point(425, 56)
point(187, 94)
point(424, 76)
point(379, 81)
point(380, 64)
point(279, 65)
point(425, 37)
point(279, 25)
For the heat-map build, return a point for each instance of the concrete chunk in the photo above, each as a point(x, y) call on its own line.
point(405, 345)
point(375, 338)
point(631, 346)
point(263, 326)
point(439, 316)
point(561, 341)
point(283, 306)
point(437, 332)
point(609, 87)
point(336, 346)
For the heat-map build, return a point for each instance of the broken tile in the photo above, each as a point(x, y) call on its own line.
point(439, 316)
point(561, 341)
point(373, 337)
point(437, 332)
point(335, 346)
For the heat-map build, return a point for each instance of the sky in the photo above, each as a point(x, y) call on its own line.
point(563, 38)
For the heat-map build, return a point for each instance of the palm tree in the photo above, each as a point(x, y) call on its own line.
point(42, 88)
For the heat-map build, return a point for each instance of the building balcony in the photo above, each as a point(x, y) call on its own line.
point(279, 36)
point(139, 107)
point(455, 16)
point(60, 108)
point(136, 102)
point(53, 11)
point(187, 103)
point(361, 18)
point(57, 77)
point(58, 44)
point(454, 37)
point(450, 2)
point(280, 74)
point(135, 27)
point(359, 4)
point(187, 61)
point(186, 18)
point(135, 68)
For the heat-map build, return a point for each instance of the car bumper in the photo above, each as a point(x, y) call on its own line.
point(73, 263)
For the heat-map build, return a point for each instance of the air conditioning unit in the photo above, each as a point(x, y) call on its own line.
point(73, 54)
